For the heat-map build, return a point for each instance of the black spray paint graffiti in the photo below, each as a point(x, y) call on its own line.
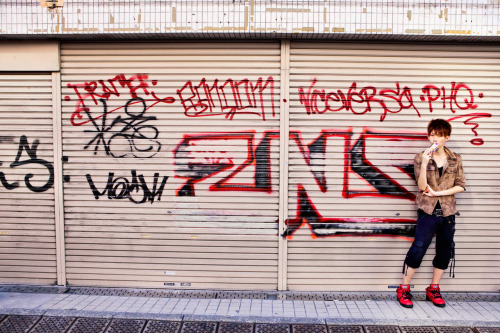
point(136, 190)
point(33, 159)
point(307, 214)
point(197, 160)
point(196, 164)
point(130, 131)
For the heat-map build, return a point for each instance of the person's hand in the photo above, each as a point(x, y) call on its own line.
point(426, 156)
point(430, 192)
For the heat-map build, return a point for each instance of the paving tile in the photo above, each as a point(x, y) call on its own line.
point(146, 307)
point(201, 307)
point(180, 306)
point(95, 301)
point(53, 302)
point(116, 304)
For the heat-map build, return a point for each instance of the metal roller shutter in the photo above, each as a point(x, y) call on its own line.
point(171, 165)
point(357, 117)
point(27, 234)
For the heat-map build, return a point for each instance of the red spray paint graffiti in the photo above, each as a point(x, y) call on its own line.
point(228, 98)
point(469, 118)
point(195, 163)
point(103, 90)
point(358, 101)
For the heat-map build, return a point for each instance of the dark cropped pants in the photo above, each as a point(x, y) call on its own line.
point(427, 226)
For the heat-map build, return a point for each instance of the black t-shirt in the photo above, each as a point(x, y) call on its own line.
point(438, 205)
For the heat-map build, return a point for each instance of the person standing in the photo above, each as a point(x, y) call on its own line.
point(439, 175)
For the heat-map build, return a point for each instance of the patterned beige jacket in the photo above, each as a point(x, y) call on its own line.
point(453, 174)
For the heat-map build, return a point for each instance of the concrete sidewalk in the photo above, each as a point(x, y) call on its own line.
point(468, 310)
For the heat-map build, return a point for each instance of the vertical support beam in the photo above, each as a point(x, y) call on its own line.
point(284, 147)
point(58, 178)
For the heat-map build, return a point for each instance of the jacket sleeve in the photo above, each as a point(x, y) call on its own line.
point(460, 176)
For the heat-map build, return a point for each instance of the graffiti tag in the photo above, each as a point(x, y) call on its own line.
point(103, 90)
point(31, 159)
point(194, 165)
point(227, 98)
point(360, 100)
point(130, 134)
point(136, 190)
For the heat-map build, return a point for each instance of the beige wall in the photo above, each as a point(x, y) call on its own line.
point(29, 56)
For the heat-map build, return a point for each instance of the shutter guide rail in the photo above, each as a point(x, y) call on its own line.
point(284, 151)
point(58, 180)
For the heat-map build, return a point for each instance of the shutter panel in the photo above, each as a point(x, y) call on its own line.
point(200, 121)
point(28, 250)
point(351, 199)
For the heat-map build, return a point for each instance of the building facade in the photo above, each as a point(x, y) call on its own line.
point(241, 144)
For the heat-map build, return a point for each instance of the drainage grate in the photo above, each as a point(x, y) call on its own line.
point(33, 289)
point(272, 328)
point(199, 327)
point(235, 328)
point(212, 294)
point(472, 297)
point(454, 330)
point(18, 324)
point(238, 295)
point(382, 329)
point(157, 326)
point(89, 325)
point(307, 296)
point(488, 329)
point(53, 325)
point(345, 329)
point(126, 326)
point(95, 291)
point(418, 329)
point(309, 329)
point(153, 293)
point(192, 294)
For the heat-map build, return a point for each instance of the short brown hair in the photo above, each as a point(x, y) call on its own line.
point(440, 126)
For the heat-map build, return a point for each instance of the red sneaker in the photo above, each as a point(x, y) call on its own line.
point(433, 294)
point(404, 296)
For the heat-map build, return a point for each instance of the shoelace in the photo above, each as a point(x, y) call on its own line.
point(407, 295)
point(435, 293)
